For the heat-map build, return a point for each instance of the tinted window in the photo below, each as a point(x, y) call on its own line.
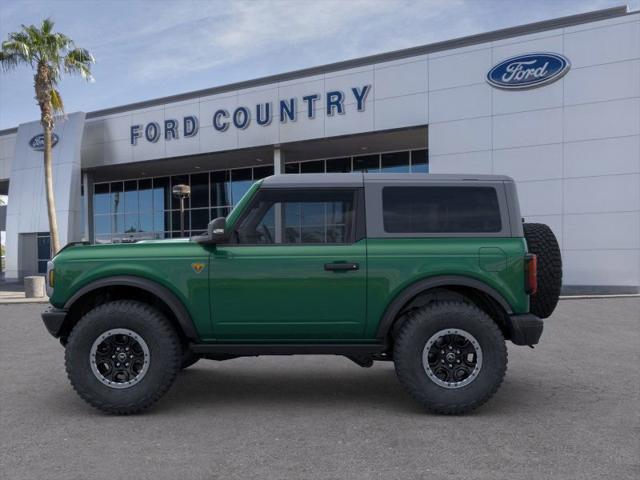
point(440, 210)
point(299, 216)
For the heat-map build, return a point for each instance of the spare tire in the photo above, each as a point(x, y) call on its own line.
point(542, 242)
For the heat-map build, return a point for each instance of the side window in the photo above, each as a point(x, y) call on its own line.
point(290, 216)
point(440, 210)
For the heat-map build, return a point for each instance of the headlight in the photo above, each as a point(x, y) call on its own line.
point(51, 276)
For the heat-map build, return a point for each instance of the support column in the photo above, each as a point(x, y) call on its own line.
point(278, 160)
point(278, 169)
point(87, 221)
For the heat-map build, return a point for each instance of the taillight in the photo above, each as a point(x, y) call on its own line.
point(530, 274)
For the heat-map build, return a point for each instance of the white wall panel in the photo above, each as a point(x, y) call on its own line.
point(549, 96)
point(540, 197)
point(549, 41)
point(304, 128)
point(212, 140)
point(459, 103)
point(345, 83)
point(609, 156)
point(616, 193)
point(602, 231)
point(470, 162)
point(351, 122)
point(601, 120)
point(403, 79)
point(399, 112)
point(601, 267)
point(529, 163)
point(527, 128)
point(456, 70)
point(460, 136)
point(602, 82)
point(603, 45)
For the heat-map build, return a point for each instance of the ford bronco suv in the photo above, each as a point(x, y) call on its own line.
point(432, 272)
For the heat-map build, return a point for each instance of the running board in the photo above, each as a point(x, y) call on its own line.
point(251, 349)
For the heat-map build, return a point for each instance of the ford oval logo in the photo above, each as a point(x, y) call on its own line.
point(528, 71)
point(37, 142)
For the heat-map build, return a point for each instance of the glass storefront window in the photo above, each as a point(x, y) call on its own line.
point(316, 166)
point(339, 165)
point(397, 162)
point(241, 180)
point(366, 163)
point(131, 203)
point(129, 210)
point(101, 198)
point(44, 251)
point(161, 194)
point(200, 190)
point(420, 161)
point(220, 189)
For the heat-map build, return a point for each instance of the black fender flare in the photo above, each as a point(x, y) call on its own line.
point(419, 286)
point(164, 294)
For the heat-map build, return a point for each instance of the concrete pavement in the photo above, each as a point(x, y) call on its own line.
point(568, 409)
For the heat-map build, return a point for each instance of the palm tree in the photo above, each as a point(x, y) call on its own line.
point(49, 54)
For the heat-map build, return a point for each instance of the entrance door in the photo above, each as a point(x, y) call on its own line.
point(295, 269)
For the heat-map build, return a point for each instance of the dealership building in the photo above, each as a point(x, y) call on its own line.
point(553, 104)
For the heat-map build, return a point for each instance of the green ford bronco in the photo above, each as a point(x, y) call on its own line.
point(432, 272)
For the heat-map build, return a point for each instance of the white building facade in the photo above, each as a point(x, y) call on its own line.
point(555, 105)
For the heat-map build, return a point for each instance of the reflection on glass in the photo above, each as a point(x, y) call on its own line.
point(145, 195)
point(339, 165)
point(131, 196)
point(101, 198)
point(316, 166)
point(161, 194)
point(179, 180)
point(199, 218)
point(220, 189)
point(200, 190)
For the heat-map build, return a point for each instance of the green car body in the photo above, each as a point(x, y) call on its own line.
point(271, 293)
point(360, 265)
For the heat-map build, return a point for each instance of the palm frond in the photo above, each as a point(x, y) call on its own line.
point(56, 101)
point(79, 61)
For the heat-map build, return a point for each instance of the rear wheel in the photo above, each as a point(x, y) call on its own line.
point(122, 356)
point(450, 356)
point(542, 242)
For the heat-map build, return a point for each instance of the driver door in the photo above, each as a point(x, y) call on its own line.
point(295, 270)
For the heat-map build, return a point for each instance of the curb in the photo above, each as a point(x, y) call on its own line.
point(16, 301)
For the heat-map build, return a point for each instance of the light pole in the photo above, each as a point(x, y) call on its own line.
point(182, 192)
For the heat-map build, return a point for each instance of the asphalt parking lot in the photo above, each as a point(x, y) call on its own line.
point(568, 409)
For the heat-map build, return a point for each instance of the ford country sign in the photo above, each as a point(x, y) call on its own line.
point(37, 142)
point(528, 71)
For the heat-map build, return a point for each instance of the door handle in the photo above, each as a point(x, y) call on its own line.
point(341, 267)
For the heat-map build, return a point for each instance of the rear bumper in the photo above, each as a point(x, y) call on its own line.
point(53, 319)
point(525, 329)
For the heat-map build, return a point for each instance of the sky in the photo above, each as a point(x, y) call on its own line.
point(150, 49)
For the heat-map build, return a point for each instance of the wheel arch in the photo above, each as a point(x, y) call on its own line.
point(476, 291)
point(135, 288)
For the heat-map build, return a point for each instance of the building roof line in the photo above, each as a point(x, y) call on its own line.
point(475, 39)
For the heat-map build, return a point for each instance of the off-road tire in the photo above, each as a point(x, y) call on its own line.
point(542, 242)
point(188, 358)
point(410, 342)
point(164, 356)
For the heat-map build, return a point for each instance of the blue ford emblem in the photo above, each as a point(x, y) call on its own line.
point(528, 71)
point(37, 142)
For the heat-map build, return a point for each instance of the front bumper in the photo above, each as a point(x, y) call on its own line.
point(53, 319)
point(525, 329)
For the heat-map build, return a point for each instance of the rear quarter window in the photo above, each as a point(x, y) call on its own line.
point(432, 209)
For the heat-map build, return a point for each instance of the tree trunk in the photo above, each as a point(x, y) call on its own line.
point(51, 201)
point(43, 86)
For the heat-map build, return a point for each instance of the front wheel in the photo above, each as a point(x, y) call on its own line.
point(122, 356)
point(450, 356)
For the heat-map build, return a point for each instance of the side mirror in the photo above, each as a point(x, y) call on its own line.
point(216, 232)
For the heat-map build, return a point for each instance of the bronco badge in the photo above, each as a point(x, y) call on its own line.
point(197, 267)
